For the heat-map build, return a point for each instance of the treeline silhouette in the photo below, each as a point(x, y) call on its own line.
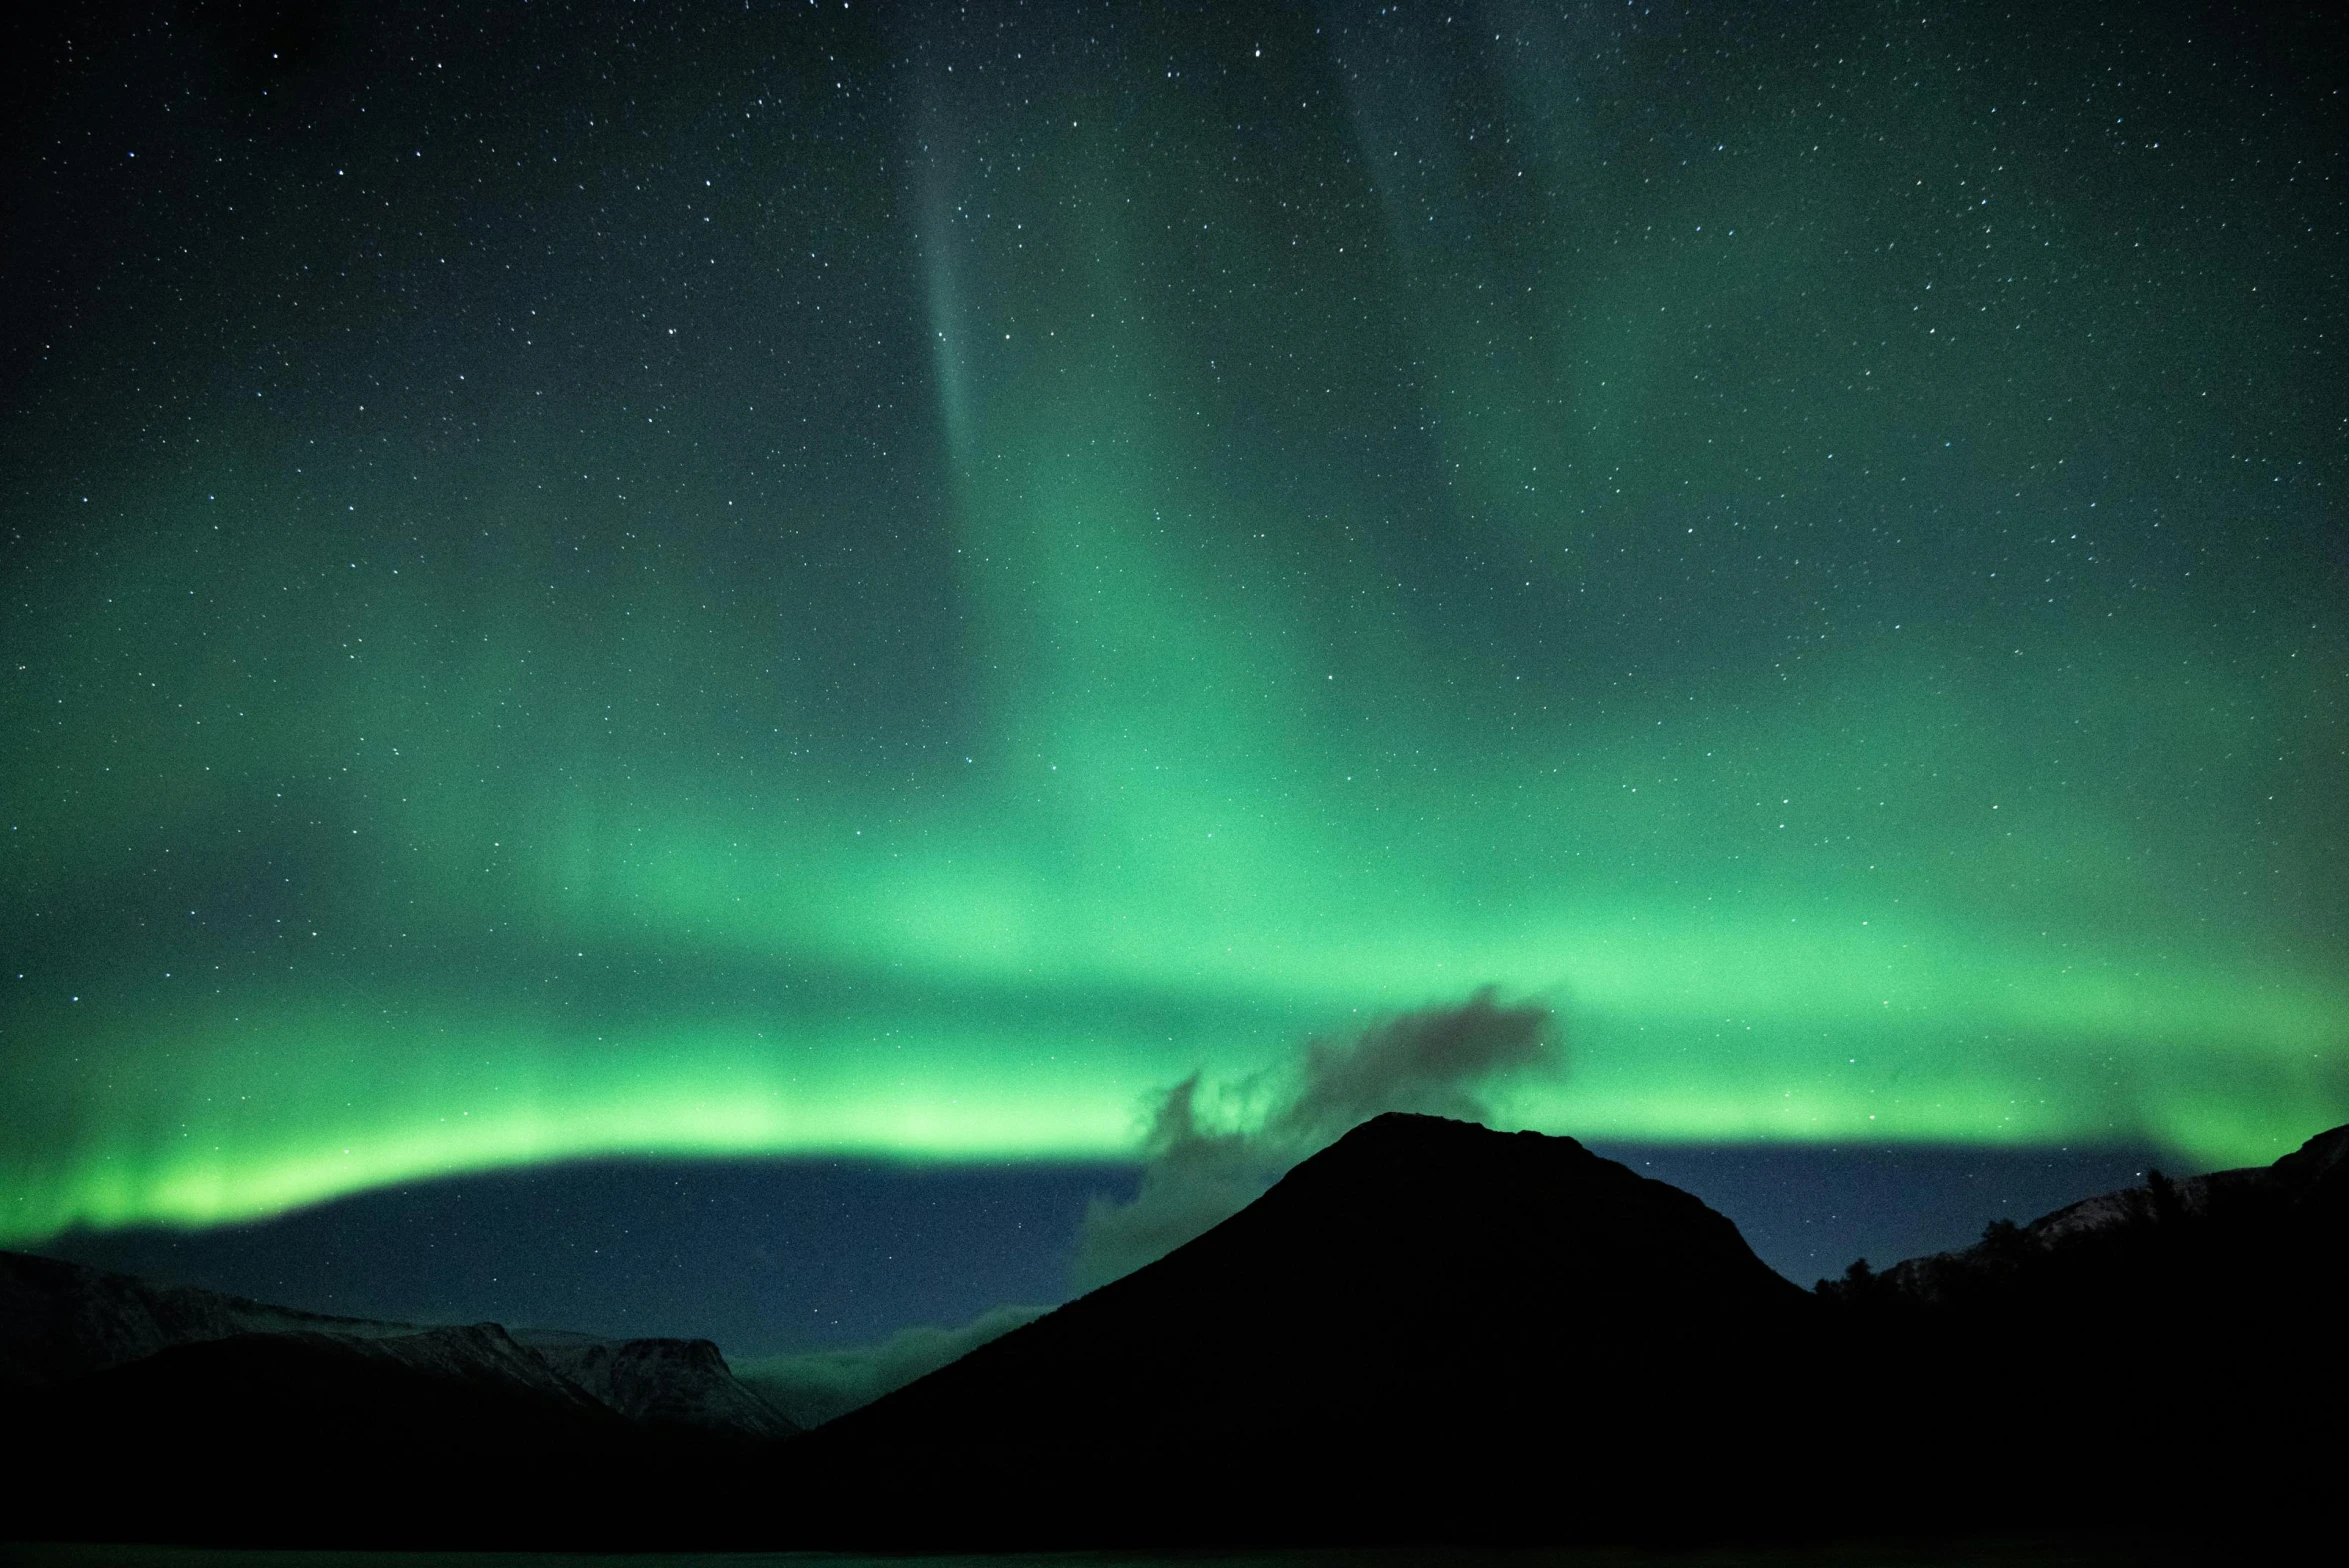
point(2173, 1353)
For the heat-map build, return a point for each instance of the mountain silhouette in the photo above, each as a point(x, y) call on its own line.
point(61, 1321)
point(145, 1412)
point(1435, 1332)
point(1418, 1325)
point(1428, 1332)
point(2267, 1233)
point(2170, 1355)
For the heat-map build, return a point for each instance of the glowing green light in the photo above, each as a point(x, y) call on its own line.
point(1212, 665)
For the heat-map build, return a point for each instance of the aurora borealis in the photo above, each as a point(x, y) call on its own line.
point(671, 581)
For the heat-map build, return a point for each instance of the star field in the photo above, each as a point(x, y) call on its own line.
point(690, 583)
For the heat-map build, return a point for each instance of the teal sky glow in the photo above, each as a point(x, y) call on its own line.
point(843, 586)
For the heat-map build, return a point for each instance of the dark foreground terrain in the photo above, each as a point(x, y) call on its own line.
point(1436, 1332)
point(1429, 1333)
point(139, 1412)
point(1983, 1552)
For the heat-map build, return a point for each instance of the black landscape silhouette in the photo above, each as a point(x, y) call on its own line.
point(1428, 1332)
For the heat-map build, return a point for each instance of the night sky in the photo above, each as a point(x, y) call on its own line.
point(880, 584)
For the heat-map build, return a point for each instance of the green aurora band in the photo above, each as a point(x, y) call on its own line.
point(1828, 588)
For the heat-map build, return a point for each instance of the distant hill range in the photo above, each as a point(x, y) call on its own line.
point(152, 1412)
point(1427, 1332)
point(61, 1323)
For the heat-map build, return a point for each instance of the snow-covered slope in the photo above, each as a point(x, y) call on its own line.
point(670, 1382)
point(2307, 1189)
point(60, 1322)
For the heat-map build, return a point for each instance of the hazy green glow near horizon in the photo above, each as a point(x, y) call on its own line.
point(1105, 610)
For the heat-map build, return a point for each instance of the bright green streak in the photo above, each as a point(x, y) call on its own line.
point(323, 876)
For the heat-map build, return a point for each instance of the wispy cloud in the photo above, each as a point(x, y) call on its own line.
point(812, 1387)
point(1210, 1153)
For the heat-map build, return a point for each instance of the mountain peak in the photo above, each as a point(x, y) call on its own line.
point(1396, 1307)
point(1516, 1209)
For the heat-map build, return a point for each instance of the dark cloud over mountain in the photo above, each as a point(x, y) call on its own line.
point(1205, 1162)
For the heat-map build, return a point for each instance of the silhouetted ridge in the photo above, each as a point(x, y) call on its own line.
point(1423, 1312)
point(63, 1321)
point(1437, 1332)
point(1429, 1331)
point(2169, 1353)
point(1538, 1207)
point(172, 1413)
point(60, 1321)
point(2263, 1233)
